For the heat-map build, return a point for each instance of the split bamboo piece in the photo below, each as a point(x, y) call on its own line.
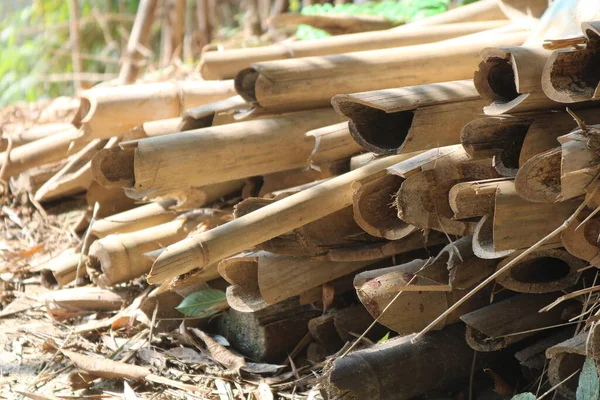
point(311, 82)
point(62, 269)
point(403, 120)
point(473, 199)
point(580, 162)
point(542, 271)
point(380, 372)
point(113, 111)
point(565, 359)
point(483, 239)
point(227, 152)
point(37, 132)
point(119, 258)
point(226, 64)
point(265, 223)
point(42, 151)
point(582, 241)
point(65, 304)
point(217, 113)
point(136, 219)
point(571, 75)
point(422, 200)
point(495, 326)
point(428, 288)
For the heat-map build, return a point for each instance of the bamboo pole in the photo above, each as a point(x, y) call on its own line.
point(571, 76)
point(400, 120)
point(138, 40)
point(263, 224)
point(227, 152)
point(39, 132)
point(105, 112)
point(118, 258)
point(543, 271)
point(311, 82)
point(226, 64)
point(65, 304)
point(154, 128)
point(333, 24)
point(62, 269)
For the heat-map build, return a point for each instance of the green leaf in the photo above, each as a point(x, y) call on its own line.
point(200, 304)
point(589, 384)
point(524, 396)
point(385, 338)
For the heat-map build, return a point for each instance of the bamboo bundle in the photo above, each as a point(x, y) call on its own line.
point(543, 271)
point(566, 359)
point(108, 112)
point(276, 144)
point(509, 321)
point(400, 120)
point(440, 360)
point(570, 75)
point(428, 288)
point(226, 64)
point(311, 82)
point(65, 304)
point(118, 258)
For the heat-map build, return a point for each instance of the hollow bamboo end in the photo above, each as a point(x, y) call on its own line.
point(245, 84)
point(483, 240)
point(495, 81)
point(114, 167)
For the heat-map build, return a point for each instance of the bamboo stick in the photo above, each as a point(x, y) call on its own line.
point(226, 64)
point(62, 269)
point(570, 75)
point(39, 132)
point(273, 220)
point(113, 111)
point(333, 24)
point(437, 361)
point(311, 82)
point(400, 120)
point(154, 128)
point(543, 271)
point(565, 359)
point(227, 152)
point(65, 304)
point(493, 327)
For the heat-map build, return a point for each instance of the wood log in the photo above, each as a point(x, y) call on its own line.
point(65, 304)
point(311, 82)
point(228, 153)
point(582, 242)
point(118, 258)
point(439, 360)
point(473, 199)
point(42, 151)
point(565, 359)
point(275, 219)
point(226, 64)
point(62, 269)
point(493, 327)
point(105, 112)
point(570, 75)
point(542, 271)
point(37, 132)
point(428, 288)
point(422, 200)
point(217, 113)
point(394, 121)
point(270, 334)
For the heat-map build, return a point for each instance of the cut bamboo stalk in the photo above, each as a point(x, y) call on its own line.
point(113, 111)
point(37, 132)
point(154, 128)
point(333, 24)
point(76, 175)
point(539, 179)
point(580, 164)
point(138, 39)
point(533, 358)
point(311, 82)
point(535, 220)
point(227, 152)
point(119, 258)
point(542, 271)
point(439, 360)
point(565, 359)
point(493, 327)
point(263, 224)
point(262, 279)
point(226, 64)
point(65, 304)
point(473, 199)
point(136, 219)
point(582, 241)
point(110, 201)
point(483, 240)
point(32, 179)
point(400, 120)
point(42, 151)
point(217, 113)
point(62, 269)
point(422, 200)
point(428, 288)
point(287, 182)
point(267, 335)
point(571, 75)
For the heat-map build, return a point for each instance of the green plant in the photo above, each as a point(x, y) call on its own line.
point(203, 303)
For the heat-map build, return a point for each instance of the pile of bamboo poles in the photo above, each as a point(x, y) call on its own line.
point(426, 180)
